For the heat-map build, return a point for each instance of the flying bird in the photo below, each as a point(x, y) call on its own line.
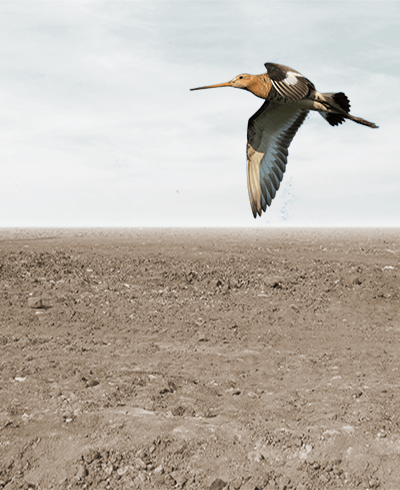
point(289, 97)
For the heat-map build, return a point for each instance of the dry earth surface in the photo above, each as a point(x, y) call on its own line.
point(199, 359)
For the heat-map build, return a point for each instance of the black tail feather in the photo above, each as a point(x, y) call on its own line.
point(342, 101)
point(338, 108)
point(334, 119)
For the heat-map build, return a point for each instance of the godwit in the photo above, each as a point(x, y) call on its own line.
point(288, 98)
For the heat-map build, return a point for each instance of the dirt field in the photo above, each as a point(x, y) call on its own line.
point(200, 359)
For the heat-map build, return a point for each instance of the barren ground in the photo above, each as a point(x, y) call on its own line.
point(200, 359)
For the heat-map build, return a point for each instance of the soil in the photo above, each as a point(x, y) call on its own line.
point(199, 359)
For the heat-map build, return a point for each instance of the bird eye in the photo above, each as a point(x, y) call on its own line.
point(240, 77)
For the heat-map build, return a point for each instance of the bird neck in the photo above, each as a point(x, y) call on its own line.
point(259, 85)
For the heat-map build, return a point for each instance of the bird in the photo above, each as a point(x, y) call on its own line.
point(288, 98)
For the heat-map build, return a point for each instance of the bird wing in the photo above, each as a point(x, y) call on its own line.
point(269, 133)
point(289, 83)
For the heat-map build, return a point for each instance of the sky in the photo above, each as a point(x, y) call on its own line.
point(98, 126)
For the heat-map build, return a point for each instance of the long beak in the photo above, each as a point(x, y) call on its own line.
point(227, 84)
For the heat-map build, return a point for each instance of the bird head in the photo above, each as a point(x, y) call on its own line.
point(241, 81)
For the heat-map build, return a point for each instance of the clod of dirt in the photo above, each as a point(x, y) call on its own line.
point(217, 484)
point(35, 303)
point(81, 473)
point(255, 457)
point(92, 382)
point(90, 455)
point(140, 464)
point(275, 282)
point(159, 470)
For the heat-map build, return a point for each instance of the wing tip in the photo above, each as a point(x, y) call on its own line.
point(257, 208)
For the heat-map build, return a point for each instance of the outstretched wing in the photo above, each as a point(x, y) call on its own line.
point(269, 133)
point(289, 83)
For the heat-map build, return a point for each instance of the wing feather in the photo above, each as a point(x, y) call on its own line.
point(289, 83)
point(269, 134)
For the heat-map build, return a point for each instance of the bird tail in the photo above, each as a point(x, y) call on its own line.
point(339, 107)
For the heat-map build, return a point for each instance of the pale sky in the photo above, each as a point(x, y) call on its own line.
point(98, 126)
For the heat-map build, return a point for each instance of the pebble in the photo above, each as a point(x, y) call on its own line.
point(159, 480)
point(139, 463)
point(82, 472)
point(141, 453)
point(180, 480)
point(92, 382)
point(35, 302)
point(139, 480)
point(122, 471)
point(55, 391)
point(159, 470)
point(255, 457)
point(90, 454)
point(108, 469)
point(217, 484)
point(323, 478)
point(237, 483)
point(275, 282)
point(284, 482)
point(169, 481)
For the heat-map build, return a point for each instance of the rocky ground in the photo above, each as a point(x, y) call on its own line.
point(200, 359)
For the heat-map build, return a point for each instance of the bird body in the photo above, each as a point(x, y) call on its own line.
point(288, 99)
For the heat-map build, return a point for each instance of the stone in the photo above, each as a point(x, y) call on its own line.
point(82, 472)
point(109, 469)
point(274, 282)
point(90, 454)
point(217, 484)
point(159, 470)
point(159, 479)
point(140, 464)
point(284, 483)
point(35, 302)
point(122, 471)
point(255, 457)
point(237, 483)
point(180, 480)
point(92, 382)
